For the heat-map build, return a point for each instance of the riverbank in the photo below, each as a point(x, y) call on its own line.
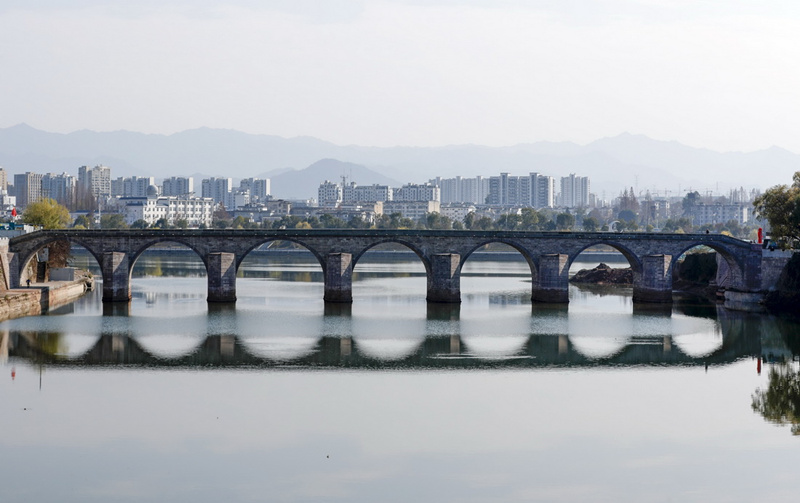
point(40, 298)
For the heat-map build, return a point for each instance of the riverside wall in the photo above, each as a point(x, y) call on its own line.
point(40, 298)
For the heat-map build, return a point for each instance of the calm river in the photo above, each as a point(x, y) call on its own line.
point(281, 399)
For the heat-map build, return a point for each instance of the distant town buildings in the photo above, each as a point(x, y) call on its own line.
point(134, 186)
point(177, 186)
point(28, 188)
point(462, 190)
point(173, 200)
point(574, 192)
point(533, 190)
point(710, 214)
point(194, 211)
point(94, 182)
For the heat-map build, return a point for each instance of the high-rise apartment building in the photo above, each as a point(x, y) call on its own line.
point(367, 193)
point(218, 189)
point(28, 188)
point(60, 188)
point(543, 191)
point(95, 181)
point(417, 192)
point(574, 191)
point(134, 186)
point(177, 186)
point(329, 194)
point(259, 189)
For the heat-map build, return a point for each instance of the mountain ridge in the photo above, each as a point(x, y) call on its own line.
point(612, 163)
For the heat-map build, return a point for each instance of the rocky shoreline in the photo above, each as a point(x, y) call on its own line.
point(604, 274)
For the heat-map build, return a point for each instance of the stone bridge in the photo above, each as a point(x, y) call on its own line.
point(652, 257)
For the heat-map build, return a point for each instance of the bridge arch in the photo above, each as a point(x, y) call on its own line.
point(735, 267)
point(412, 274)
point(247, 251)
point(633, 259)
point(134, 257)
point(390, 240)
point(519, 251)
point(509, 242)
point(27, 254)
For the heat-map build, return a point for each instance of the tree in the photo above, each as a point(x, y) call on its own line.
point(113, 221)
point(220, 219)
point(627, 215)
point(82, 222)
point(162, 223)
point(508, 221)
point(564, 221)
point(530, 220)
point(628, 201)
point(328, 221)
point(436, 220)
point(690, 201)
point(590, 224)
point(780, 206)
point(140, 224)
point(469, 220)
point(240, 223)
point(47, 214)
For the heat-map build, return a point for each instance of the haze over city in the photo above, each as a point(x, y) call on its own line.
point(716, 75)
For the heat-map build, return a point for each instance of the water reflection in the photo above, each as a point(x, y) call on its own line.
point(549, 337)
point(392, 398)
point(779, 403)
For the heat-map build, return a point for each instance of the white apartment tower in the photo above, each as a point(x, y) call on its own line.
point(574, 191)
point(259, 189)
point(218, 189)
point(329, 194)
point(95, 181)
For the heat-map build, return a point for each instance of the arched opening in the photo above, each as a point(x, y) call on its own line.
point(57, 261)
point(496, 273)
point(389, 312)
point(279, 306)
point(389, 271)
point(43, 265)
point(602, 271)
point(703, 270)
point(168, 295)
point(168, 276)
point(496, 282)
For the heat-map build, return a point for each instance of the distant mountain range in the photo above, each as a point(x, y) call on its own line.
point(296, 166)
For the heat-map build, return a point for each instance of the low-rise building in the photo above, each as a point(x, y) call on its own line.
point(710, 214)
point(196, 211)
point(412, 209)
point(457, 212)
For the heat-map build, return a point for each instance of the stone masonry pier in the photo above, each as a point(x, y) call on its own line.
point(652, 257)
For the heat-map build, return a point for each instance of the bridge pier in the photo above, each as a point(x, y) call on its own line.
point(116, 277)
point(655, 282)
point(14, 270)
point(552, 282)
point(338, 278)
point(444, 278)
point(221, 277)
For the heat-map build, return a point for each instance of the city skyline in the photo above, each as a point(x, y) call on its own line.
point(401, 72)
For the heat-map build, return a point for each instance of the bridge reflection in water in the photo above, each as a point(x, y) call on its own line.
point(741, 335)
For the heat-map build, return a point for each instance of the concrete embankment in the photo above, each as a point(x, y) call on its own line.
point(39, 298)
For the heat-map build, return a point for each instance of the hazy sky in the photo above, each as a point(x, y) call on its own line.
point(718, 74)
